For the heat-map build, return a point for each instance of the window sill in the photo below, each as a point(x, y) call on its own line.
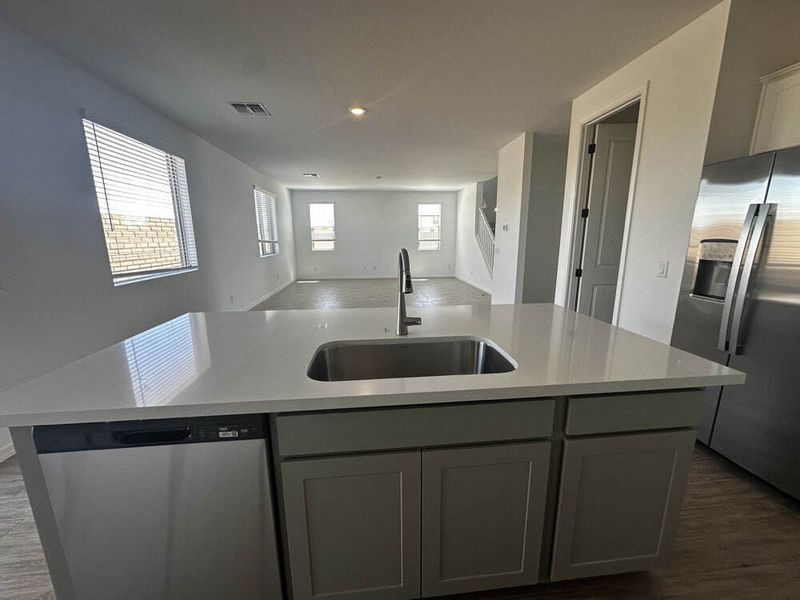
point(268, 255)
point(121, 280)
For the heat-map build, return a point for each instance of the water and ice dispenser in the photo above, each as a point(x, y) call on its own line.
point(714, 268)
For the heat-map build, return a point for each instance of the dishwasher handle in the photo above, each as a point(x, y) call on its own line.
point(138, 437)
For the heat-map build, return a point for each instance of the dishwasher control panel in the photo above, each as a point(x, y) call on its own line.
point(212, 432)
point(156, 432)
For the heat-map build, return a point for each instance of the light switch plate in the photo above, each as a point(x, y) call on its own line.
point(663, 269)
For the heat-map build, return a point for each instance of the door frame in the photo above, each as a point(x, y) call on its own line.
point(580, 190)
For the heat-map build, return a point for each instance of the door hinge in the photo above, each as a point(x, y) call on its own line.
point(578, 272)
point(592, 148)
point(584, 213)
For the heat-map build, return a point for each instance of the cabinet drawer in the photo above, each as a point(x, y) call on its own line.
point(633, 412)
point(416, 427)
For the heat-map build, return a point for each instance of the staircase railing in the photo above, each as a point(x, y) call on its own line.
point(485, 237)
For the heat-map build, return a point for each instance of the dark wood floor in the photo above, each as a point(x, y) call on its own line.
point(738, 539)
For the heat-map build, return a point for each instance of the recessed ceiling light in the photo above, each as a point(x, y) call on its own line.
point(313, 175)
point(357, 110)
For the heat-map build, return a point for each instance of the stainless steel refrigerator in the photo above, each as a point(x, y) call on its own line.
point(740, 305)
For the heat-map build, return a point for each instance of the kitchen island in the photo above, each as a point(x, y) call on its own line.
point(570, 465)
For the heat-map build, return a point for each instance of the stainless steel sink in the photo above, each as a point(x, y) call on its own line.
point(425, 357)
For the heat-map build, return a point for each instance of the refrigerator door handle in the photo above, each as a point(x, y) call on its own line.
point(764, 213)
point(730, 292)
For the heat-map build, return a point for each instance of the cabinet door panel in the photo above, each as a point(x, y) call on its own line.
point(353, 526)
point(619, 502)
point(483, 512)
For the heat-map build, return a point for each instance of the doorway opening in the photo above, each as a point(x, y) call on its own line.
point(608, 168)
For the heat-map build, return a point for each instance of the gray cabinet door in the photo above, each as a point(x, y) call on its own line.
point(619, 502)
point(353, 526)
point(482, 516)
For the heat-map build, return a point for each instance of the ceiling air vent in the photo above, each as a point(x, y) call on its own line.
point(312, 175)
point(251, 108)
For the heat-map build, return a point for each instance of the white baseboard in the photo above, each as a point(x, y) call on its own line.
point(6, 452)
point(483, 288)
point(342, 277)
point(335, 277)
point(266, 296)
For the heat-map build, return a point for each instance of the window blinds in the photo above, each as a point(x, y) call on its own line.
point(267, 222)
point(143, 197)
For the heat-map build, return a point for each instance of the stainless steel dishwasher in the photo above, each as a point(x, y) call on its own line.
point(170, 509)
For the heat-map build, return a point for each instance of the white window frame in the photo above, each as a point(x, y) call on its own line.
point(312, 227)
point(438, 240)
point(176, 181)
point(266, 206)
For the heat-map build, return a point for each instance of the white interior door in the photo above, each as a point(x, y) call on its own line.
point(605, 222)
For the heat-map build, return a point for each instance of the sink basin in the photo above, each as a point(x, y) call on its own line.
point(424, 357)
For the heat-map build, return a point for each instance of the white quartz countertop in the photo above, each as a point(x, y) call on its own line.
point(203, 364)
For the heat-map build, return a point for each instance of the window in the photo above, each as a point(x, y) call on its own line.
point(323, 226)
point(267, 222)
point(429, 226)
point(143, 199)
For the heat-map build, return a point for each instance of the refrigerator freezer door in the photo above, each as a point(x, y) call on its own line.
point(727, 190)
point(758, 424)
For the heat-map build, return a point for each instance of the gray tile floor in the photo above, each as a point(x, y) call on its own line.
point(373, 293)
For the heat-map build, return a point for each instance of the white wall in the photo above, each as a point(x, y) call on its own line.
point(543, 232)
point(682, 74)
point(760, 39)
point(371, 227)
point(470, 266)
point(57, 300)
point(513, 188)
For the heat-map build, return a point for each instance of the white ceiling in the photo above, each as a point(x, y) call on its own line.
point(447, 82)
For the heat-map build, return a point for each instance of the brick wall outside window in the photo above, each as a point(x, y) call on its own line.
point(141, 243)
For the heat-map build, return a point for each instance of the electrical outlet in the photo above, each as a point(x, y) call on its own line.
point(663, 269)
